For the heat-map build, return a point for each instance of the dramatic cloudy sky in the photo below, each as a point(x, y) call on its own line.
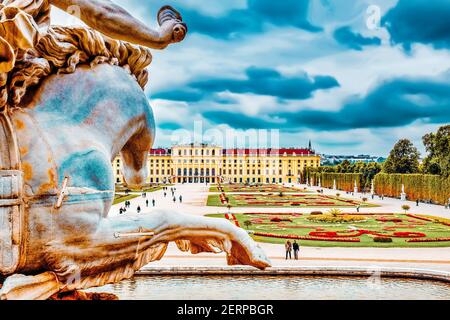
point(314, 69)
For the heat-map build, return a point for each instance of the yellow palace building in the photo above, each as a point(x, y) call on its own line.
point(204, 163)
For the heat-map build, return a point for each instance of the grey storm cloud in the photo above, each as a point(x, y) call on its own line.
point(395, 103)
point(260, 81)
point(419, 21)
point(356, 41)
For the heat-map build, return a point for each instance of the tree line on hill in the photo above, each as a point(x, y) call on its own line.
point(404, 158)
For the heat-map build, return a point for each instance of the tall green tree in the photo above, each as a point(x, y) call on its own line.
point(404, 158)
point(438, 148)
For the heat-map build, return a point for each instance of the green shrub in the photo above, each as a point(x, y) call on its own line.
point(382, 240)
point(344, 181)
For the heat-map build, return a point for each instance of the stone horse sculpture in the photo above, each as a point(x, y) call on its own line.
point(72, 100)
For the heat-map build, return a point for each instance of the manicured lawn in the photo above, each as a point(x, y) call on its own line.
point(119, 198)
point(146, 188)
point(255, 188)
point(287, 200)
point(300, 225)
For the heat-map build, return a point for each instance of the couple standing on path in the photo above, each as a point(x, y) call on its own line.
point(292, 246)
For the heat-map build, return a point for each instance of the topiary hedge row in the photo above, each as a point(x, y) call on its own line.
point(344, 181)
point(417, 187)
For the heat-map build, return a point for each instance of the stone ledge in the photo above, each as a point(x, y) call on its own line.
point(422, 274)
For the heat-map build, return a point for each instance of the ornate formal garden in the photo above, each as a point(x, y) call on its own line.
point(254, 188)
point(276, 200)
point(122, 195)
point(146, 188)
point(339, 229)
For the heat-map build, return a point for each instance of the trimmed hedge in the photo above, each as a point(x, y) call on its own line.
point(382, 240)
point(344, 181)
point(417, 187)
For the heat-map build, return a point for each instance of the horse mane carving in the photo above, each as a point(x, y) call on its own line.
point(61, 50)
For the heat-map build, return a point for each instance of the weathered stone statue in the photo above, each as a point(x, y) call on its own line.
point(71, 99)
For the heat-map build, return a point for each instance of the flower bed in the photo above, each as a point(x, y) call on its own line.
point(326, 218)
point(293, 200)
point(410, 233)
point(386, 219)
point(358, 233)
point(233, 219)
point(294, 237)
point(420, 218)
point(334, 234)
point(278, 219)
point(275, 214)
point(429, 240)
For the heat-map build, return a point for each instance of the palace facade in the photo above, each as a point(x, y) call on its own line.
point(210, 164)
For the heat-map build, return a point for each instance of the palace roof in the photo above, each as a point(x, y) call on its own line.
point(270, 152)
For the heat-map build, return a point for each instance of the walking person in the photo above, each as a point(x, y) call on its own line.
point(288, 247)
point(181, 199)
point(153, 202)
point(358, 208)
point(139, 209)
point(146, 203)
point(174, 199)
point(296, 248)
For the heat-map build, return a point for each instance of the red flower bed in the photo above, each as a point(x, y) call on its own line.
point(279, 236)
point(385, 219)
point(397, 227)
point(275, 213)
point(429, 240)
point(332, 234)
point(278, 219)
point(358, 233)
point(420, 218)
point(409, 235)
point(233, 219)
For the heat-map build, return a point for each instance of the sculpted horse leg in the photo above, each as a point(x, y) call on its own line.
point(114, 253)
